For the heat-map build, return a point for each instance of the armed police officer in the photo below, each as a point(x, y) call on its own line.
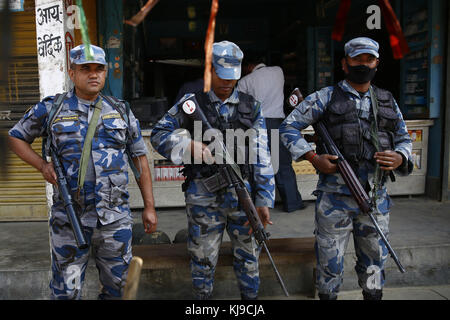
point(357, 123)
point(209, 211)
point(96, 169)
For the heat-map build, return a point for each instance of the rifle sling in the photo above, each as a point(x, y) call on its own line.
point(87, 146)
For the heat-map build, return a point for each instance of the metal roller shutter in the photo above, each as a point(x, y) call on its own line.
point(23, 75)
point(22, 188)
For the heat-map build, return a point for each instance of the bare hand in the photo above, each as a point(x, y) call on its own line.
point(264, 216)
point(388, 160)
point(48, 172)
point(201, 152)
point(149, 219)
point(323, 163)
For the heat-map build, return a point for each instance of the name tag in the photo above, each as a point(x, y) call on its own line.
point(66, 118)
point(111, 116)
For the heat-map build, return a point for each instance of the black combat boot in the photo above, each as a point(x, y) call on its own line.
point(324, 296)
point(376, 295)
point(204, 296)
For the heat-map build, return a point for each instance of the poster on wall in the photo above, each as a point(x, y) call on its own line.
point(417, 157)
point(14, 5)
point(416, 135)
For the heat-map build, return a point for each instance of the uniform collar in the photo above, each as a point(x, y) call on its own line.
point(232, 99)
point(76, 103)
point(348, 88)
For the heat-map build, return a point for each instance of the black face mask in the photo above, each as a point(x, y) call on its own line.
point(360, 74)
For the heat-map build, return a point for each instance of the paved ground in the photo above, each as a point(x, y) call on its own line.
point(403, 293)
point(415, 221)
point(419, 231)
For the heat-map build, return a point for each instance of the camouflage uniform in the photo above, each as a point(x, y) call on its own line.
point(209, 214)
point(337, 214)
point(105, 212)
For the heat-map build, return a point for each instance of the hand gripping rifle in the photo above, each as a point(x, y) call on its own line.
point(231, 172)
point(359, 194)
point(74, 220)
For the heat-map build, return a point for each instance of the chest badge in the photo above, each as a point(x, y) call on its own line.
point(189, 107)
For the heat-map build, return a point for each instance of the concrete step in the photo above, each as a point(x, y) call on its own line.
point(438, 292)
point(166, 273)
point(426, 266)
point(420, 235)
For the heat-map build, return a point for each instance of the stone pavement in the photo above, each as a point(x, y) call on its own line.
point(419, 232)
point(441, 292)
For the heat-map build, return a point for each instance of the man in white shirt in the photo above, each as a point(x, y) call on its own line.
point(266, 85)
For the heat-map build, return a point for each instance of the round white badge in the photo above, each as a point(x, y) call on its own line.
point(189, 106)
point(293, 100)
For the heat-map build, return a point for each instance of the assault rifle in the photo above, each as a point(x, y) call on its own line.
point(74, 220)
point(231, 172)
point(359, 194)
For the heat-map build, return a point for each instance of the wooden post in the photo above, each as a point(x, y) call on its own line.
point(132, 284)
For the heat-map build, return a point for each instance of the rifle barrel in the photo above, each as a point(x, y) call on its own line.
point(280, 280)
point(386, 242)
point(194, 112)
point(74, 220)
point(356, 189)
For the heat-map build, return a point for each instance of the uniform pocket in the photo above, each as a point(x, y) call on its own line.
point(340, 112)
point(351, 140)
point(115, 128)
point(387, 118)
point(385, 140)
point(67, 135)
point(118, 191)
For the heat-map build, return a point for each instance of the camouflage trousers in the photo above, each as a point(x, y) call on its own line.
point(337, 216)
point(206, 226)
point(111, 247)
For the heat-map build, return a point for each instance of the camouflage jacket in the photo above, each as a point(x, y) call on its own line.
point(106, 182)
point(311, 110)
point(171, 143)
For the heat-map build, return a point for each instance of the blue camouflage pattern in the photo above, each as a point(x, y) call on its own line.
point(311, 110)
point(226, 59)
point(210, 213)
point(111, 246)
point(205, 232)
point(109, 162)
point(78, 55)
point(336, 217)
point(103, 202)
point(171, 142)
point(336, 213)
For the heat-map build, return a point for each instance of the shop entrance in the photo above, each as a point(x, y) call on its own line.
point(166, 50)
